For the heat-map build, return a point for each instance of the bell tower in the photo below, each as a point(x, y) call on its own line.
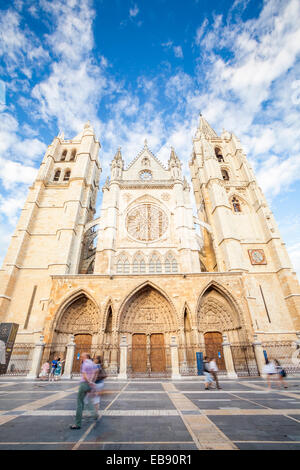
point(240, 231)
point(48, 236)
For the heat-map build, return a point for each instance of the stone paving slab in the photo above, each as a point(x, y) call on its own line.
point(34, 429)
point(139, 387)
point(145, 446)
point(264, 428)
point(139, 428)
point(267, 446)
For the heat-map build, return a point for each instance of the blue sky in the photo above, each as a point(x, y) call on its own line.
point(140, 69)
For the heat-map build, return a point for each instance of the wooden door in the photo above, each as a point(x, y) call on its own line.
point(83, 344)
point(139, 353)
point(157, 355)
point(214, 348)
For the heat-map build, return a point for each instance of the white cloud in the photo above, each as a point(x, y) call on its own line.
point(133, 12)
point(178, 52)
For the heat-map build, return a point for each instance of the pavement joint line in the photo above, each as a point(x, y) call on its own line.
point(250, 401)
point(267, 442)
point(97, 442)
point(192, 425)
point(99, 418)
point(292, 418)
point(280, 391)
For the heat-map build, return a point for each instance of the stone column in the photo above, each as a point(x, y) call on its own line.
point(36, 359)
point(259, 354)
point(123, 359)
point(174, 359)
point(231, 374)
point(114, 354)
point(69, 359)
point(183, 358)
point(148, 352)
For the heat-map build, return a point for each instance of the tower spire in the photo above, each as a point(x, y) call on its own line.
point(205, 129)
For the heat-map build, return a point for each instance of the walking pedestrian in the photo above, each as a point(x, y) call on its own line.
point(58, 369)
point(95, 394)
point(281, 373)
point(213, 369)
point(44, 375)
point(53, 367)
point(208, 378)
point(88, 369)
point(270, 371)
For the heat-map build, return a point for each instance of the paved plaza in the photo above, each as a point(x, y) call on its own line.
point(151, 415)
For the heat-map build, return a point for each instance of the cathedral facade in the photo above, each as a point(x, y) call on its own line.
point(147, 271)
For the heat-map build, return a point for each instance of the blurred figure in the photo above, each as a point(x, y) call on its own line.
point(44, 375)
point(95, 394)
point(208, 378)
point(213, 369)
point(281, 373)
point(270, 371)
point(88, 371)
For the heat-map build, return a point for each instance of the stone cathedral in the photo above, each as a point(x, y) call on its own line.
point(147, 271)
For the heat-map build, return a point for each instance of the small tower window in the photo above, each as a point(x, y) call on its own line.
point(57, 175)
point(67, 175)
point(219, 155)
point(63, 155)
point(225, 175)
point(73, 155)
point(236, 205)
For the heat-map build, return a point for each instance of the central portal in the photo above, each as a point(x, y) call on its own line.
point(145, 356)
point(148, 321)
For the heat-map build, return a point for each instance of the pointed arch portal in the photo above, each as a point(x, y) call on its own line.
point(148, 320)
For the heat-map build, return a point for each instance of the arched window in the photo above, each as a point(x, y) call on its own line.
point(63, 155)
point(123, 266)
point(225, 175)
point(67, 175)
point(236, 204)
point(57, 175)
point(219, 155)
point(139, 265)
point(171, 265)
point(73, 155)
point(155, 264)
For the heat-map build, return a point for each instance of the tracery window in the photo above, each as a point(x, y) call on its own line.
point(171, 265)
point(123, 266)
point(146, 222)
point(139, 265)
point(155, 264)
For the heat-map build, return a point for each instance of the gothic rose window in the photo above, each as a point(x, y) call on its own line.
point(146, 222)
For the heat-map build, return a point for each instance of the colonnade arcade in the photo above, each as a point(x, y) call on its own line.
point(148, 320)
